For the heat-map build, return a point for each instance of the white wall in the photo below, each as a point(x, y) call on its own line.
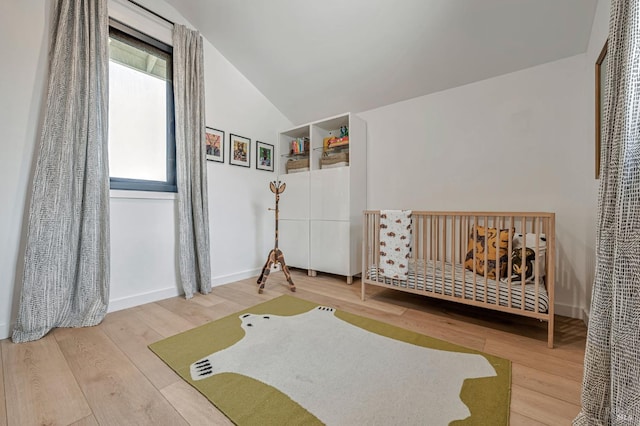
point(242, 229)
point(142, 229)
point(599, 34)
point(22, 84)
point(518, 142)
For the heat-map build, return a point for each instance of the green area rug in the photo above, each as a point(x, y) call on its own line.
point(290, 361)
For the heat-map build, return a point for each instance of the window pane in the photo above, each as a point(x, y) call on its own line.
point(137, 111)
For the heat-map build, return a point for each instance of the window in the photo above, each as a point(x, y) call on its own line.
point(142, 148)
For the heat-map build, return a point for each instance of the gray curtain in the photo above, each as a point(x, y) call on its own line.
point(611, 385)
point(66, 267)
point(193, 212)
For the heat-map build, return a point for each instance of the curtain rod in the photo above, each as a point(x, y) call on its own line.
point(151, 12)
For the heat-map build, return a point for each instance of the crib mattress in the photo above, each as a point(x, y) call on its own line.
point(422, 278)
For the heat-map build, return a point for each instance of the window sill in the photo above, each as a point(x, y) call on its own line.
point(142, 195)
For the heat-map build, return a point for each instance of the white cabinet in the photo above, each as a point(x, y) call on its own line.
point(294, 242)
point(325, 173)
point(330, 189)
point(294, 202)
point(330, 246)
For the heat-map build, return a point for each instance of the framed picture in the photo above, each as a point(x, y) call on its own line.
point(239, 150)
point(264, 156)
point(601, 79)
point(215, 144)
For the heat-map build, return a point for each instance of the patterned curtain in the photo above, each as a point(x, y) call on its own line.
point(66, 272)
point(193, 212)
point(611, 386)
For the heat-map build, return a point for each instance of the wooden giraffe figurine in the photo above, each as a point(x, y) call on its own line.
point(275, 256)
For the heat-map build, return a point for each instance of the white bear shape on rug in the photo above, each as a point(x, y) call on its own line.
point(343, 374)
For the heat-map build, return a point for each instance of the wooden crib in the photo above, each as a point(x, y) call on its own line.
point(442, 243)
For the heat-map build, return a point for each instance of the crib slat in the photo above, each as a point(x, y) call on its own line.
point(425, 253)
point(434, 234)
point(365, 254)
point(475, 239)
point(535, 266)
point(415, 253)
point(523, 251)
point(436, 253)
point(460, 221)
point(464, 259)
point(498, 226)
point(551, 275)
point(512, 227)
point(443, 253)
point(486, 257)
point(453, 255)
point(377, 247)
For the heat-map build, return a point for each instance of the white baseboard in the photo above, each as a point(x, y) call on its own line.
point(153, 296)
point(142, 298)
point(571, 312)
point(118, 304)
point(5, 331)
point(585, 316)
point(226, 279)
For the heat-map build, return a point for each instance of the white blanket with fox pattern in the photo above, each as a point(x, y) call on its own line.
point(395, 243)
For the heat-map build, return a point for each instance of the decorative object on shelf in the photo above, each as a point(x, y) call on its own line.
point(601, 77)
point(264, 156)
point(275, 256)
point(344, 131)
point(239, 150)
point(215, 144)
point(299, 146)
point(332, 142)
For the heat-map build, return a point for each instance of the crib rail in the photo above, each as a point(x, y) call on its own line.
point(441, 247)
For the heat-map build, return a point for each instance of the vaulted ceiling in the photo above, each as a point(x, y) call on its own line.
point(317, 58)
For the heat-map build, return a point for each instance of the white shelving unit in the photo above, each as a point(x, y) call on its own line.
point(321, 209)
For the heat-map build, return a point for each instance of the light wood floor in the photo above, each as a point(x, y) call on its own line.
point(105, 375)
